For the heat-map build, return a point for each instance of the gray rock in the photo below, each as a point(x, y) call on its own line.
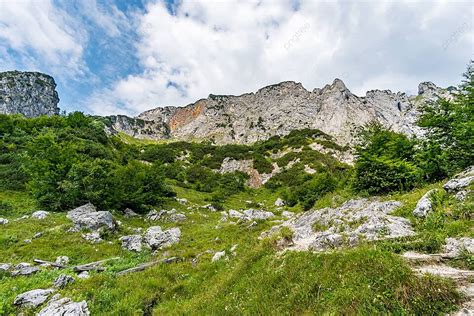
point(252, 214)
point(279, 202)
point(29, 93)
point(287, 214)
point(460, 181)
point(5, 267)
point(83, 275)
point(40, 214)
point(3, 221)
point(175, 218)
point(37, 235)
point(132, 242)
point(63, 280)
point(27, 241)
point(455, 246)
point(93, 237)
point(182, 201)
point(64, 307)
point(218, 256)
point(424, 205)
point(24, 269)
point(88, 217)
point(155, 215)
point(129, 213)
point(64, 260)
point(462, 195)
point(33, 298)
point(329, 228)
point(155, 238)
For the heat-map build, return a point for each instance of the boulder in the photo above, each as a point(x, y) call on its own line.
point(252, 214)
point(24, 269)
point(155, 238)
point(93, 237)
point(182, 201)
point(155, 215)
point(33, 298)
point(40, 214)
point(132, 242)
point(218, 256)
point(5, 267)
point(83, 275)
point(460, 181)
point(3, 221)
point(279, 202)
point(63, 260)
point(454, 247)
point(64, 307)
point(424, 205)
point(328, 228)
point(86, 216)
point(62, 280)
point(129, 213)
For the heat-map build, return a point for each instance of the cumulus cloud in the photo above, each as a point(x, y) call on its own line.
point(202, 47)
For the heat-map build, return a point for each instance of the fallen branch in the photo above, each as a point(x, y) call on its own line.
point(93, 265)
point(53, 264)
point(147, 265)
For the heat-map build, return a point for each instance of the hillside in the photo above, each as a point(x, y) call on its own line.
point(96, 222)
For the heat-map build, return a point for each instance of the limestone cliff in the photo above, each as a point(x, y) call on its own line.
point(29, 93)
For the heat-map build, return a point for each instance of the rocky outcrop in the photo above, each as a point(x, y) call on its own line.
point(136, 127)
point(29, 93)
point(346, 225)
point(424, 205)
point(64, 306)
point(87, 216)
point(460, 181)
point(33, 298)
point(278, 109)
point(132, 242)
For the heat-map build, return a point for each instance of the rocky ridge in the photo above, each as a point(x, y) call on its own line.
point(281, 108)
point(29, 93)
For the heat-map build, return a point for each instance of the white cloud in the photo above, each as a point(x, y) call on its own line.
point(39, 29)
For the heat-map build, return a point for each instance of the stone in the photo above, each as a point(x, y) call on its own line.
point(155, 215)
point(29, 93)
point(329, 228)
point(287, 214)
point(58, 306)
point(252, 214)
point(3, 221)
point(24, 269)
point(37, 235)
point(279, 202)
point(63, 260)
point(63, 280)
point(155, 238)
point(182, 201)
point(33, 298)
point(40, 215)
point(93, 237)
point(424, 205)
point(175, 218)
point(462, 195)
point(132, 242)
point(129, 213)
point(87, 217)
point(454, 247)
point(5, 267)
point(83, 275)
point(460, 181)
point(218, 256)
point(27, 241)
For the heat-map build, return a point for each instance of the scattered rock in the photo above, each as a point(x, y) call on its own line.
point(64, 307)
point(182, 201)
point(27, 241)
point(93, 237)
point(3, 221)
point(252, 224)
point(462, 195)
point(37, 235)
point(40, 214)
point(445, 272)
point(83, 275)
point(328, 228)
point(132, 242)
point(155, 238)
point(155, 215)
point(247, 215)
point(33, 298)
point(460, 181)
point(210, 207)
point(63, 260)
point(455, 246)
point(87, 216)
point(279, 202)
point(5, 267)
point(166, 216)
point(424, 205)
point(175, 218)
point(129, 213)
point(287, 214)
point(62, 280)
point(218, 256)
point(24, 269)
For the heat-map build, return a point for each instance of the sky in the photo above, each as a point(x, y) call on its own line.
point(125, 57)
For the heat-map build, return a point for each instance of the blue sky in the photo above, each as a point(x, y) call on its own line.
point(111, 57)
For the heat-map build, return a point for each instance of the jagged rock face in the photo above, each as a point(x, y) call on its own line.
point(138, 128)
point(281, 108)
point(29, 93)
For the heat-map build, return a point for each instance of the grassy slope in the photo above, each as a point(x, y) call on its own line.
point(366, 280)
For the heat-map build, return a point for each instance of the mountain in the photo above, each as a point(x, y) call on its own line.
point(29, 93)
point(278, 109)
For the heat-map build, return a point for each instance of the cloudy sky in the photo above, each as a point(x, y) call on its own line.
point(120, 56)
